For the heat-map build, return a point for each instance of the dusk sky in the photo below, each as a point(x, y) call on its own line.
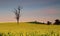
point(39, 10)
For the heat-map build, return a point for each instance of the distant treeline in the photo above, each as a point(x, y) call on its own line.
point(57, 22)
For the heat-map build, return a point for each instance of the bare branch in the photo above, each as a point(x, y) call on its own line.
point(17, 13)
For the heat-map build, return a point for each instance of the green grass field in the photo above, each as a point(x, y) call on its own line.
point(29, 29)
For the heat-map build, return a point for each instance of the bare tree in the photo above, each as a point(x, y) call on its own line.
point(17, 14)
point(48, 22)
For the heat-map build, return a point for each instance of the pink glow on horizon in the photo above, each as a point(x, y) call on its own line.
point(27, 19)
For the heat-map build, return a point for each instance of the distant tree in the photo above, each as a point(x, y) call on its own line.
point(57, 22)
point(17, 13)
point(48, 22)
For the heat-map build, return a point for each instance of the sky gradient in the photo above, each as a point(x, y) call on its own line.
point(40, 10)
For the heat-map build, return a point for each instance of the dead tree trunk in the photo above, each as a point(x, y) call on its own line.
point(17, 13)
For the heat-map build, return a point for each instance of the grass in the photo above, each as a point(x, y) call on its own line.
point(30, 34)
point(28, 29)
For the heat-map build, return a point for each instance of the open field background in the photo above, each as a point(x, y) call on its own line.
point(24, 28)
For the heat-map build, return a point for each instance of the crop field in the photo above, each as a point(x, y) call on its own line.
point(28, 29)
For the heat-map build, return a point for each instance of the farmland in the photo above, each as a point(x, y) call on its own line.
point(28, 29)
